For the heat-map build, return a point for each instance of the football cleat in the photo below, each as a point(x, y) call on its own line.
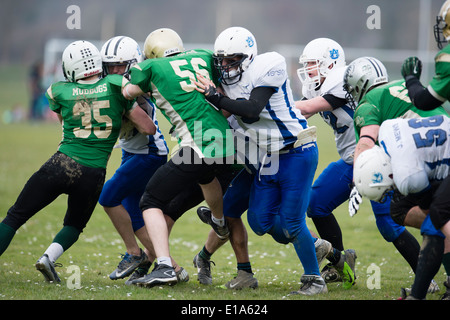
point(205, 215)
point(128, 264)
point(311, 285)
point(47, 268)
point(162, 274)
point(204, 269)
point(243, 280)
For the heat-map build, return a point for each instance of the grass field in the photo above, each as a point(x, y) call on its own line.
point(380, 269)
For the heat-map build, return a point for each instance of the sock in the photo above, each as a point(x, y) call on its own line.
point(446, 263)
point(329, 229)
point(246, 266)
point(67, 237)
point(409, 248)
point(335, 257)
point(54, 251)
point(6, 235)
point(219, 222)
point(165, 260)
point(428, 265)
point(205, 254)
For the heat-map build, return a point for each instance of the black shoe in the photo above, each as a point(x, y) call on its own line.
point(162, 274)
point(204, 214)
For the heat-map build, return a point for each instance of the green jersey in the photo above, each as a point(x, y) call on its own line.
point(440, 84)
point(388, 101)
point(92, 116)
point(197, 124)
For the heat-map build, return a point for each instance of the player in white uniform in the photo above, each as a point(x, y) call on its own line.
point(257, 91)
point(322, 73)
point(414, 160)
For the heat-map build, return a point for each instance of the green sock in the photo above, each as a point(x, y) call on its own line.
point(67, 237)
point(6, 235)
point(204, 254)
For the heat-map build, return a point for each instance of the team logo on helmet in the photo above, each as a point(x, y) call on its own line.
point(377, 177)
point(334, 54)
point(250, 41)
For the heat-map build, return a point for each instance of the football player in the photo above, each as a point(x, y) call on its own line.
point(377, 100)
point(413, 160)
point(257, 92)
point(90, 109)
point(141, 156)
point(170, 81)
point(435, 94)
point(321, 74)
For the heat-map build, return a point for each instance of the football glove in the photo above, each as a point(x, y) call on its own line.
point(412, 66)
point(354, 201)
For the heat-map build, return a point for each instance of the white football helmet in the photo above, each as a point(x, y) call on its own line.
point(121, 50)
point(372, 174)
point(362, 75)
point(321, 54)
point(442, 26)
point(162, 42)
point(81, 59)
point(234, 42)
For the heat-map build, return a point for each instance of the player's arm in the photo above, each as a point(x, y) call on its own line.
point(327, 102)
point(251, 108)
point(141, 120)
point(367, 139)
point(420, 96)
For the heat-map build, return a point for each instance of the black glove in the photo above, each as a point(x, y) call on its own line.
point(212, 96)
point(412, 66)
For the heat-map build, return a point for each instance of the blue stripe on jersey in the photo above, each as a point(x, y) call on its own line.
point(433, 165)
point(349, 110)
point(288, 137)
point(302, 122)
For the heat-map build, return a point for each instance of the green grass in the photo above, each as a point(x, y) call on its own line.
point(25, 146)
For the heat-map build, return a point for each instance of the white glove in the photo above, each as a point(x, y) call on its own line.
point(354, 201)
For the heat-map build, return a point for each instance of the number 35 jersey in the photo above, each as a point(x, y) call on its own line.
point(92, 116)
point(419, 150)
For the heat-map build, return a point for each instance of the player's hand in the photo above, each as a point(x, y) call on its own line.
point(207, 87)
point(412, 66)
point(354, 201)
point(204, 86)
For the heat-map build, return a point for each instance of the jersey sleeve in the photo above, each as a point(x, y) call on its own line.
point(366, 114)
point(53, 104)
point(274, 74)
point(440, 84)
point(140, 75)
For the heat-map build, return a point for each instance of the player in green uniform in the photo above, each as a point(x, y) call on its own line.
point(202, 131)
point(366, 82)
point(427, 98)
point(90, 109)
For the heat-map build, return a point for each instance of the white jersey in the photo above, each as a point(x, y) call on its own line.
point(339, 119)
point(419, 151)
point(139, 143)
point(279, 122)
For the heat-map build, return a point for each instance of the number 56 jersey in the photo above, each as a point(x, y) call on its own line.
point(198, 125)
point(92, 116)
point(419, 150)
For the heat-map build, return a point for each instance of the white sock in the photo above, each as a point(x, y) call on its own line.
point(219, 222)
point(54, 251)
point(164, 260)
